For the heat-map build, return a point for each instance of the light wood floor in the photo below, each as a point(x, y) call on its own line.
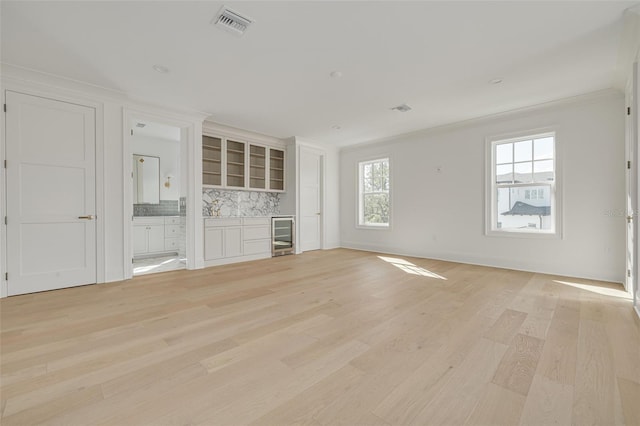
point(334, 337)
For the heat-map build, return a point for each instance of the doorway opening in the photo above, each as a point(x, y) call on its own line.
point(159, 197)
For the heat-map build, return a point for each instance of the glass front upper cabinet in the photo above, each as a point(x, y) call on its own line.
point(235, 164)
point(276, 169)
point(211, 161)
point(257, 167)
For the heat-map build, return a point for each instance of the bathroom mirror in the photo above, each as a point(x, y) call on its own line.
point(146, 179)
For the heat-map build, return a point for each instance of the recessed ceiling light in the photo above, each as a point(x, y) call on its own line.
point(401, 108)
point(335, 74)
point(336, 127)
point(161, 69)
point(495, 81)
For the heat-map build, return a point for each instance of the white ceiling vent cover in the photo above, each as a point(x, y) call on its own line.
point(402, 108)
point(232, 21)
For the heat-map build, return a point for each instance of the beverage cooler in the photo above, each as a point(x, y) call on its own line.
point(283, 235)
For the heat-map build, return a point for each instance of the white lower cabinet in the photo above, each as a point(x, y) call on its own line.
point(213, 243)
point(154, 234)
point(221, 242)
point(172, 233)
point(255, 247)
point(140, 239)
point(229, 240)
point(233, 242)
point(156, 238)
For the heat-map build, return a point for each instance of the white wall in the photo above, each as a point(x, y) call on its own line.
point(288, 198)
point(441, 215)
point(169, 153)
point(114, 218)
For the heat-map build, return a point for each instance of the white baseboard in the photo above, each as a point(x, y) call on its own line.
point(237, 259)
point(526, 266)
point(331, 245)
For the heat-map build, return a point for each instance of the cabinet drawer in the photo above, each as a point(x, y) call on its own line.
point(171, 231)
point(148, 220)
point(256, 232)
point(208, 223)
point(256, 221)
point(172, 220)
point(257, 246)
point(171, 244)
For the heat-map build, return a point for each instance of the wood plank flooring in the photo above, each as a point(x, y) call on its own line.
point(327, 337)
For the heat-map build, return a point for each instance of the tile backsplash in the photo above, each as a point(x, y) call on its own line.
point(239, 203)
point(165, 208)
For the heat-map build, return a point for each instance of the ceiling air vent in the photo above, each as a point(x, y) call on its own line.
point(232, 21)
point(402, 108)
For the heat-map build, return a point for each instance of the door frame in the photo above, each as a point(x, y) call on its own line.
point(323, 217)
point(189, 132)
point(632, 185)
point(633, 179)
point(60, 95)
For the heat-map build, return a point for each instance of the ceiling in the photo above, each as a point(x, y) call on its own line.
point(437, 57)
point(156, 130)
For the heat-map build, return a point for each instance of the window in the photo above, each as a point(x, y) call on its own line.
point(532, 194)
point(523, 185)
point(373, 193)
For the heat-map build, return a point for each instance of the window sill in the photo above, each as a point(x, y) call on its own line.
point(374, 227)
point(525, 234)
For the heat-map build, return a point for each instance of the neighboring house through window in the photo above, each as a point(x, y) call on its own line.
point(522, 194)
point(374, 204)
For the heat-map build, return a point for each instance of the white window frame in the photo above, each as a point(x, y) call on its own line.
point(491, 213)
point(360, 194)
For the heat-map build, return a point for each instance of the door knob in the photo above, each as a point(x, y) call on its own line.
point(87, 217)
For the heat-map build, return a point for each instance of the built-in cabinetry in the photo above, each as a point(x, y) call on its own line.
point(222, 238)
point(211, 161)
point(155, 234)
point(276, 169)
point(229, 240)
point(236, 164)
point(257, 167)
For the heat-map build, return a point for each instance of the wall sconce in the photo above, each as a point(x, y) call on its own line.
point(167, 184)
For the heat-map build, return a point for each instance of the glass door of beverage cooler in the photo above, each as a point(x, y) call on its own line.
point(283, 235)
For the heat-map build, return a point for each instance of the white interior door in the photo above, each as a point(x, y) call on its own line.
point(51, 227)
point(310, 199)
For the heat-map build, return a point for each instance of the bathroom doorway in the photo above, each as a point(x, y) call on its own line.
point(159, 197)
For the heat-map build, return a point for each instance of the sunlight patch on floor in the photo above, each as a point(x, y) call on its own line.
point(605, 291)
point(410, 268)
